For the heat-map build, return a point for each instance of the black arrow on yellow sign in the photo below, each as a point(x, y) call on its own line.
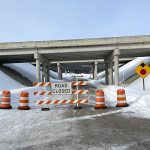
point(142, 64)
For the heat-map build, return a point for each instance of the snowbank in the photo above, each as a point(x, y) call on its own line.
point(127, 70)
point(138, 100)
point(8, 83)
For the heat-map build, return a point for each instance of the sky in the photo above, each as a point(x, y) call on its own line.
point(35, 20)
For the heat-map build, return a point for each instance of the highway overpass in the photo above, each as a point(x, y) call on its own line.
point(47, 52)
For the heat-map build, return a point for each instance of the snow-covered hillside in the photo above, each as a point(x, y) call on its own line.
point(8, 83)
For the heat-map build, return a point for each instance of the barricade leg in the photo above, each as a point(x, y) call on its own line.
point(45, 108)
point(77, 106)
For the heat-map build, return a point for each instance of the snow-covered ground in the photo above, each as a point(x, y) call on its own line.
point(139, 104)
point(35, 128)
point(138, 100)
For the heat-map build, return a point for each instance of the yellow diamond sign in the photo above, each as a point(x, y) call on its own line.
point(142, 70)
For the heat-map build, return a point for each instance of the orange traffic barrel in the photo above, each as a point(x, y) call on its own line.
point(24, 101)
point(6, 98)
point(121, 98)
point(100, 99)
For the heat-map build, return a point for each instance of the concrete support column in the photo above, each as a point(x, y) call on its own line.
point(38, 77)
point(106, 70)
point(59, 70)
point(43, 72)
point(48, 72)
point(110, 70)
point(116, 65)
point(95, 70)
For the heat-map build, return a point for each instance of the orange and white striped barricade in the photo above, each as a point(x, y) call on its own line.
point(50, 93)
point(24, 101)
point(43, 93)
point(121, 98)
point(56, 102)
point(100, 99)
point(77, 84)
point(6, 99)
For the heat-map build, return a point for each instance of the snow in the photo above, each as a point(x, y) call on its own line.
point(29, 71)
point(8, 83)
point(138, 83)
point(138, 100)
point(127, 70)
point(22, 129)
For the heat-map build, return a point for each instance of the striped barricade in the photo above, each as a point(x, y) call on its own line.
point(46, 93)
point(50, 93)
point(56, 102)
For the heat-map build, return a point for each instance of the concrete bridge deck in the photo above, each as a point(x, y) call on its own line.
point(109, 49)
point(80, 49)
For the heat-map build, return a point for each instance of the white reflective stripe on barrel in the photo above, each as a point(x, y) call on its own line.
point(99, 96)
point(5, 102)
point(100, 102)
point(124, 101)
point(120, 96)
point(23, 104)
point(5, 97)
point(24, 98)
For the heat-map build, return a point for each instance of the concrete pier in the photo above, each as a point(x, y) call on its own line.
point(59, 70)
point(38, 75)
point(110, 69)
point(95, 70)
point(116, 65)
point(106, 70)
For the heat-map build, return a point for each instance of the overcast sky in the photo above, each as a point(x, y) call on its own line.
point(29, 20)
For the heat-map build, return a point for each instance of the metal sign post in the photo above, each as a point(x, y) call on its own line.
point(143, 84)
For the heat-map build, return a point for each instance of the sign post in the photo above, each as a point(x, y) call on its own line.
point(142, 70)
point(143, 84)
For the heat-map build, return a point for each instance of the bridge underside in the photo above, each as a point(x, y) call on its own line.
point(91, 51)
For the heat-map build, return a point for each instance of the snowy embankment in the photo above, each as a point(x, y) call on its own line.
point(127, 70)
point(8, 83)
point(138, 100)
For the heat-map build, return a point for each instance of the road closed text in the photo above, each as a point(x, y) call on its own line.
point(61, 88)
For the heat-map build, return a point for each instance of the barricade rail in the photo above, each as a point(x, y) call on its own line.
point(49, 93)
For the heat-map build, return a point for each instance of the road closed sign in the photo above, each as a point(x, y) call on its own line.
point(61, 88)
